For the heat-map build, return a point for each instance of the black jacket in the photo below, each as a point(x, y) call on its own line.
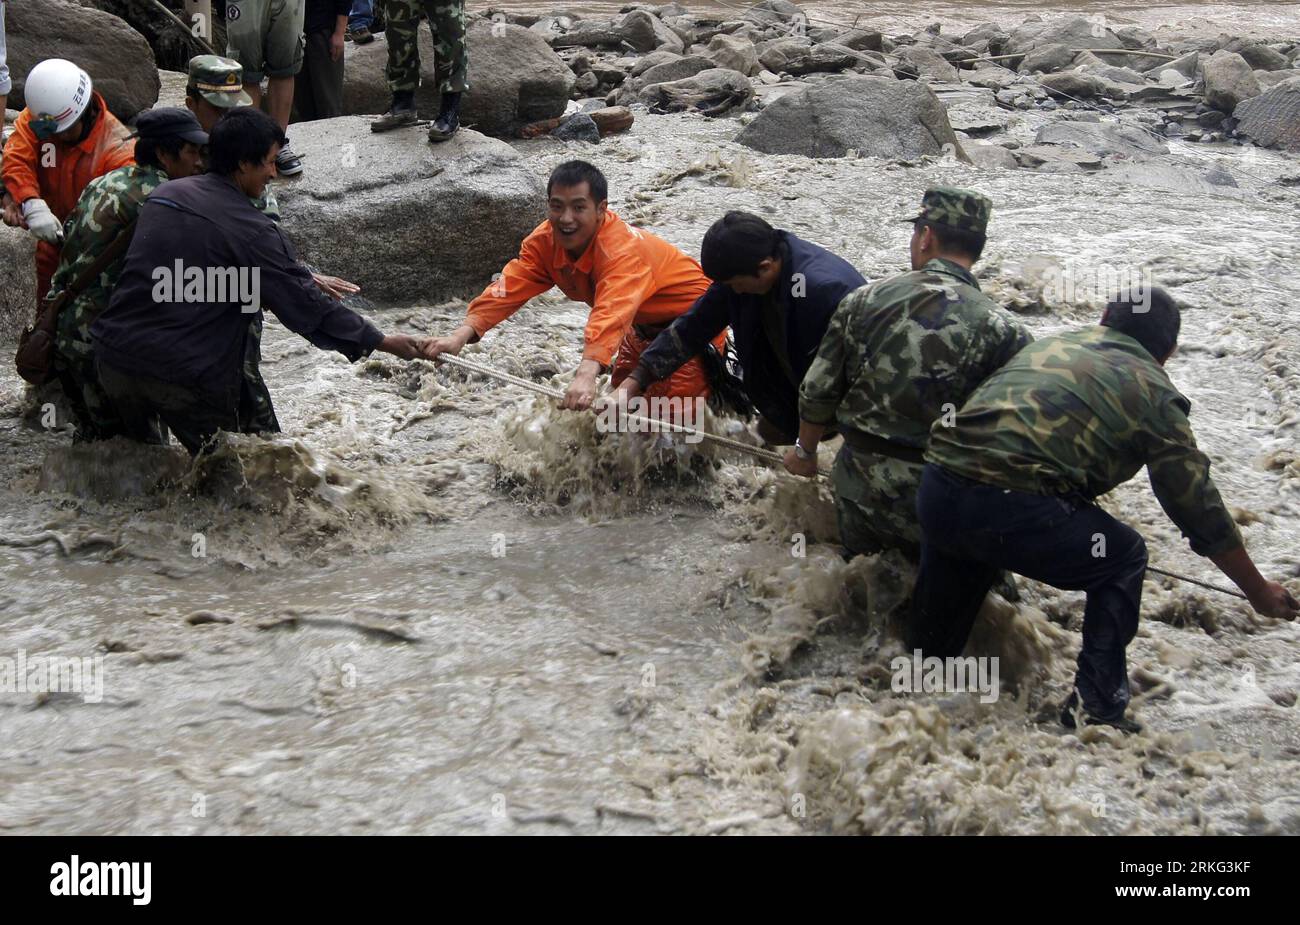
point(813, 283)
point(206, 223)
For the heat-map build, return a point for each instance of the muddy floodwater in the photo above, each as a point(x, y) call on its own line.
point(436, 604)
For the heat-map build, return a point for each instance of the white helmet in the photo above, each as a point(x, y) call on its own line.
point(57, 92)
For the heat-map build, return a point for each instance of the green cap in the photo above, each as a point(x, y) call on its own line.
point(961, 209)
point(218, 80)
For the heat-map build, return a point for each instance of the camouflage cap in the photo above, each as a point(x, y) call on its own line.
point(961, 209)
point(218, 80)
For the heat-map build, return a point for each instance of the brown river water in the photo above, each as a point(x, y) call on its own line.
point(437, 605)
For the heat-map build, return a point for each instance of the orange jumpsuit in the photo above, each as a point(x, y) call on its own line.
point(628, 277)
point(58, 172)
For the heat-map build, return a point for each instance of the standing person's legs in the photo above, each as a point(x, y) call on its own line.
point(362, 15)
point(950, 584)
point(447, 21)
point(875, 503)
point(308, 100)
point(256, 410)
point(403, 67)
point(283, 44)
point(247, 22)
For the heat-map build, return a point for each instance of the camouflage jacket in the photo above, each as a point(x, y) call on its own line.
point(107, 205)
point(1078, 414)
point(902, 352)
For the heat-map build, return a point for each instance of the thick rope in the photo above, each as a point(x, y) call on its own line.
point(655, 423)
point(759, 452)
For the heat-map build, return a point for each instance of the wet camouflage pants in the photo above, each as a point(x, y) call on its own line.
point(95, 416)
point(256, 413)
point(447, 21)
point(875, 502)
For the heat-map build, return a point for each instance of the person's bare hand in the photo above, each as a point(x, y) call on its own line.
point(451, 344)
point(336, 46)
point(405, 346)
point(580, 393)
point(796, 466)
point(334, 287)
point(1273, 600)
point(13, 213)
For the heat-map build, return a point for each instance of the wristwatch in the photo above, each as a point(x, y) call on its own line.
point(800, 452)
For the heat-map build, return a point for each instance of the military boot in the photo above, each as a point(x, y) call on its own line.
point(402, 112)
point(448, 120)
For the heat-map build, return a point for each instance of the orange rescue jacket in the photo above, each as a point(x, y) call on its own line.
point(628, 276)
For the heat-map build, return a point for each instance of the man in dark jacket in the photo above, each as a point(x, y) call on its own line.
point(777, 292)
point(170, 346)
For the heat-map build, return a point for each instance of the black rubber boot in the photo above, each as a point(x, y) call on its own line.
point(402, 112)
point(448, 120)
point(1071, 708)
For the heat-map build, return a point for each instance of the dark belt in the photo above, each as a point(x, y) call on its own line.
point(864, 442)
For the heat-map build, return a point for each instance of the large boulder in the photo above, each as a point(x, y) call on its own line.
point(1259, 56)
point(734, 53)
point(17, 282)
point(514, 79)
point(1272, 119)
point(407, 220)
point(1102, 138)
point(1228, 80)
point(799, 56)
point(1071, 31)
point(713, 92)
point(637, 29)
point(117, 58)
point(919, 61)
point(874, 116)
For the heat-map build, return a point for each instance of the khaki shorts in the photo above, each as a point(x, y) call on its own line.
point(265, 36)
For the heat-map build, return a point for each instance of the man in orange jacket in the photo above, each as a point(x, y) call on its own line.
point(636, 284)
point(63, 139)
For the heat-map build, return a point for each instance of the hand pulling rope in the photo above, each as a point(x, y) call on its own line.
point(758, 452)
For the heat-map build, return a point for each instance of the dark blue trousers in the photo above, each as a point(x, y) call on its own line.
point(971, 531)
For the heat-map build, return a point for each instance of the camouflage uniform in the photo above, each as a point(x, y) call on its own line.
point(106, 207)
point(447, 22)
point(1009, 485)
point(1076, 415)
point(898, 355)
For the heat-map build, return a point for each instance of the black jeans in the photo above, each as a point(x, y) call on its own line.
point(146, 404)
point(970, 531)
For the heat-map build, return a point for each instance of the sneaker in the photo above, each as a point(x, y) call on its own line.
point(1071, 708)
point(402, 112)
point(361, 35)
point(448, 120)
point(288, 164)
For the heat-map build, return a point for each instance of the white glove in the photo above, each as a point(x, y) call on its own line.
point(41, 221)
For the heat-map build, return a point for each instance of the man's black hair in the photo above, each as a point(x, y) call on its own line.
point(1151, 317)
point(148, 149)
point(955, 240)
point(735, 244)
point(572, 173)
point(242, 136)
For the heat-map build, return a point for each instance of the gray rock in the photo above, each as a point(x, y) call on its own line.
point(770, 12)
point(991, 157)
point(677, 69)
point(989, 34)
point(1136, 38)
point(17, 282)
point(1269, 79)
point(1048, 59)
point(1071, 85)
point(1272, 119)
point(714, 92)
point(1105, 139)
point(924, 62)
point(1259, 56)
point(1071, 31)
point(514, 76)
point(860, 40)
point(652, 59)
point(871, 115)
point(991, 77)
point(795, 55)
point(117, 58)
point(647, 33)
point(379, 214)
point(578, 127)
point(734, 53)
point(1052, 158)
point(1228, 80)
point(1189, 65)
